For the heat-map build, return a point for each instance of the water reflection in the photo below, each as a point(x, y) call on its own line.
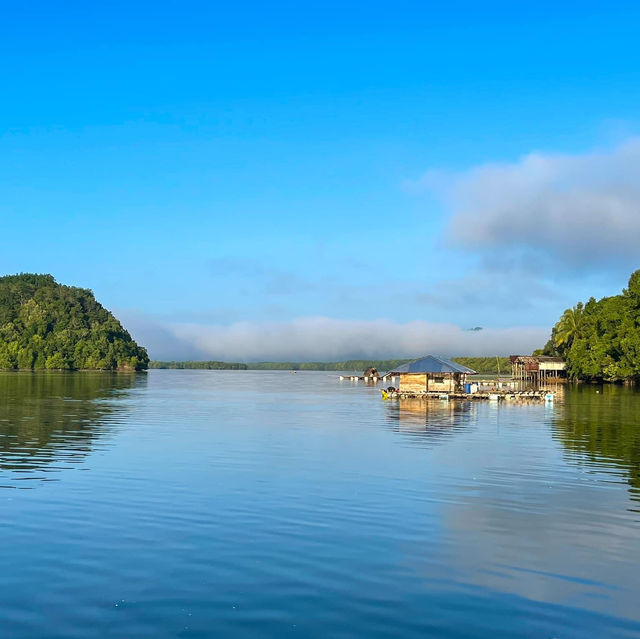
point(429, 422)
point(50, 421)
point(601, 426)
point(265, 504)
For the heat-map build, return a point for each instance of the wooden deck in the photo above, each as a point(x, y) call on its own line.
point(494, 390)
point(509, 396)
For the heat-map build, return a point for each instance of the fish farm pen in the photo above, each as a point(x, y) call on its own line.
point(514, 396)
point(432, 377)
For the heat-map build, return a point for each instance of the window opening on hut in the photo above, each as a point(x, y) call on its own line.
point(438, 380)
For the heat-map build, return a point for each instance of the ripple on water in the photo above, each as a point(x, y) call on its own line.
point(265, 504)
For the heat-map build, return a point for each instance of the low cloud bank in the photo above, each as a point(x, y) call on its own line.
point(577, 209)
point(325, 339)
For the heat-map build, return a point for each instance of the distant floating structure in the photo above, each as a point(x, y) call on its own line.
point(432, 377)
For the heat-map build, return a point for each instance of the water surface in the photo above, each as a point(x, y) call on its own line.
point(256, 503)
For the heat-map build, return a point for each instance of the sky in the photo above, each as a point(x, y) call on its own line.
point(248, 181)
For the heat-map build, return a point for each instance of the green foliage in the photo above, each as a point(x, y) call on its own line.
point(45, 325)
point(568, 328)
point(486, 364)
point(350, 365)
point(209, 366)
point(601, 340)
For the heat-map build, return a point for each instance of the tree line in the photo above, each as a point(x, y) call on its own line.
point(487, 365)
point(209, 366)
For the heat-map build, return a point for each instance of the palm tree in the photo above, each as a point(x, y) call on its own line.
point(568, 327)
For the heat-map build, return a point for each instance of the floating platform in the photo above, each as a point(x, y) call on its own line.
point(513, 396)
point(484, 385)
point(493, 390)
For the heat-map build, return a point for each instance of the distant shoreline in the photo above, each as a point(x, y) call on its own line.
point(485, 365)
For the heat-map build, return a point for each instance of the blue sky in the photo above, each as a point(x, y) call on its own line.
point(278, 180)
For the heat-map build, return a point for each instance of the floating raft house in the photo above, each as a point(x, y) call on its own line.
point(430, 374)
point(436, 377)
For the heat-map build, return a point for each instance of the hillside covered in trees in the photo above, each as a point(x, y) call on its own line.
point(601, 339)
point(46, 325)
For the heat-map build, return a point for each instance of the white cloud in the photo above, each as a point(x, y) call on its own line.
point(575, 209)
point(325, 339)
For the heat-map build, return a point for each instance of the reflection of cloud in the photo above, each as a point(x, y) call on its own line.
point(574, 208)
point(321, 338)
point(517, 520)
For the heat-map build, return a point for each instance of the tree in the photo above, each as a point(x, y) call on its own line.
point(568, 328)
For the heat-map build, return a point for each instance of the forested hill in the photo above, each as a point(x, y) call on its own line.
point(44, 324)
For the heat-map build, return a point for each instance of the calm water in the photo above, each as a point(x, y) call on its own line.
point(202, 504)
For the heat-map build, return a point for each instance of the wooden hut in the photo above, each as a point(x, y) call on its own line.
point(430, 374)
point(538, 368)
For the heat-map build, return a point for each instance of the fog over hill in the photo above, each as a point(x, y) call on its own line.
point(326, 339)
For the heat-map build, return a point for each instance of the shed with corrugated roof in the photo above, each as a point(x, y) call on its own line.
point(431, 374)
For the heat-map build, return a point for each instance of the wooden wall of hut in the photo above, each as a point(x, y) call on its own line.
point(413, 382)
point(432, 382)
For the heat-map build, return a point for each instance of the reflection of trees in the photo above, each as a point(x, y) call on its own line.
point(428, 421)
point(49, 420)
point(605, 426)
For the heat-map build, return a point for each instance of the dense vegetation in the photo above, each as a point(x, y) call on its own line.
point(209, 366)
point(347, 365)
point(491, 365)
point(479, 364)
point(601, 339)
point(44, 324)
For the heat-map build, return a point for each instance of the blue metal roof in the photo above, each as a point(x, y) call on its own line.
point(432, 364)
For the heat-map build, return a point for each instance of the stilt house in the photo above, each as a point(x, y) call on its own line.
point(430, 374)
point(538, 368)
